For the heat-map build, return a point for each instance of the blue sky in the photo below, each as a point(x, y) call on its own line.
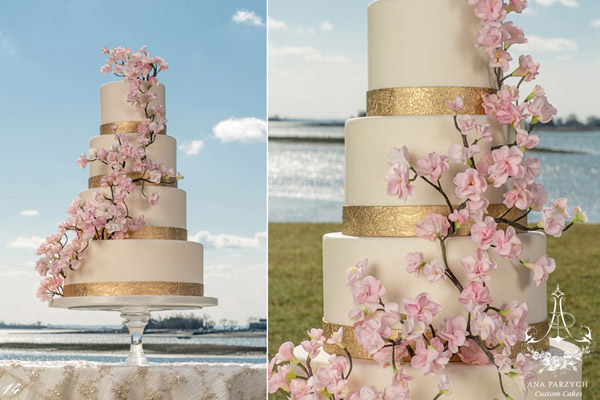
point(318, 50)
point(50, 59)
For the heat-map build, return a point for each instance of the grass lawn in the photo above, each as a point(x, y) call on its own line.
point(296, 298)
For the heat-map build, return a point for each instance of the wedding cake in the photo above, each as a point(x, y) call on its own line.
point(157, 259)
point(126, 234)
point(421, 53)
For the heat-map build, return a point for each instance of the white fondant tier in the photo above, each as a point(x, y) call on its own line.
point(469, 382)
point(368, 144)
point(138, 260)
point(163, 150)
point(425, 43)
point(386, 256)
point(170, 211)
point(114, 106)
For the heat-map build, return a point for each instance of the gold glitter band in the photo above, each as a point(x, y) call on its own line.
point(96, 181)
point(137, 288)
point(424, 100)
point(159, 232)
point(358, 352)
point(400, 221)
point(123, 127)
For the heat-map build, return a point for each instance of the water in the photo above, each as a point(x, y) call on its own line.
point(306, 180)
point(49, 336)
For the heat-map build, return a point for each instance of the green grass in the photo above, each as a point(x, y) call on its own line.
point(296, 284)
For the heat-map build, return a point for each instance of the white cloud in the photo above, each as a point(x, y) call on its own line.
point(309, 54)
point(223, 240)
point(23, 242)
point(191, 148)
point(247, 18)
point(7, 45)
point(30, 213)
point(275, 25)
point(326, 26)
point(596, 23)
point(568, 3)
point(241, 129)
point(536, 43)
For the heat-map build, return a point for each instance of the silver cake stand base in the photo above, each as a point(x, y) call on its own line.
point(135, 311)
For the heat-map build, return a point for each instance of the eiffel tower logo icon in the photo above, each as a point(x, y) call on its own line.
point(559, 324)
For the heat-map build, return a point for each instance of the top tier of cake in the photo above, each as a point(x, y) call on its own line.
point(115, 108)
point(425, 43)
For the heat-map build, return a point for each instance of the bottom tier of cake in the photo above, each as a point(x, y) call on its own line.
point(469, 382)
point(138, 267)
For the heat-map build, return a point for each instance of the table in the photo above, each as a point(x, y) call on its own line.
point(85, 380)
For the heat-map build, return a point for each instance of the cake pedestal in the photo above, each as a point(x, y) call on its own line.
point(135, 311)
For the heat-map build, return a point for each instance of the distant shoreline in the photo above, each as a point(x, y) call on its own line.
point(341, 123)
point(150, 348)
point(340, 140)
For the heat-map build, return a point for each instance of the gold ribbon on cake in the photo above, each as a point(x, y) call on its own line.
point(400, 221)
point(134, 288)
point(96, 181)
point(358, 352)
point(159, 232)
point(428, 100)
point(123, 127)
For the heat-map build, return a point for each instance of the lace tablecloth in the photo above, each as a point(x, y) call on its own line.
point(82, 380)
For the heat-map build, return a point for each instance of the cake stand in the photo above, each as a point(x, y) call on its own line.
point(135, 311)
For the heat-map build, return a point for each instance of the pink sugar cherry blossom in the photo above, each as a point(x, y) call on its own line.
point(460, 154)
point(490, 11)
point(513, 34)
point(519, 196)
point(434, 225)
point(434, 271)
point(456, 104)
point(475, 294)
point(432, 358)
point(490, 35)
point(399, 156)
point(541, 109)
point(528, 68)
point(312, 347)
point(472, 354)
point(285, 353)
point(477, 209)
point(483, 232)
point(508, 244)
point(433, 166)
point(498, 58)
point(542, 268)
point(553, 221)
point(421, 308)
point(478, 266)
point(525, 373)
point(454, 330)
point(483, 325)
point(466, 123)
point(414, 263)
point(356, 272)
point(367, 292)
point(398, 182)
point(469, 184)
point(444, 384)
point(507, 163)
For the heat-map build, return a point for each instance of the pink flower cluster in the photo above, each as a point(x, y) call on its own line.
point(139, 71)
point(106, 215)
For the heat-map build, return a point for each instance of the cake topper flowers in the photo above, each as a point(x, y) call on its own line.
point(106, 215)
point(485, 332)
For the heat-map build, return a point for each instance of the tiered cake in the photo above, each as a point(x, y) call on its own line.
point(420, 53)
point(157, 259)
